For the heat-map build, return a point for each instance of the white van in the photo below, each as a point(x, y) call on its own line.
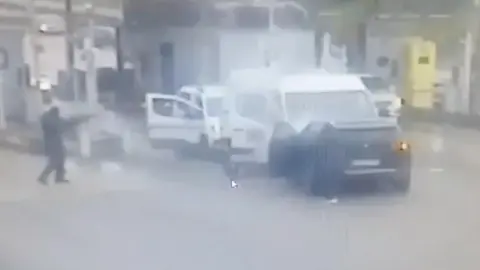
point(291, 99)
point(252, 107)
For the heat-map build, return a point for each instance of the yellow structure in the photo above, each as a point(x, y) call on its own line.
point(421, 68)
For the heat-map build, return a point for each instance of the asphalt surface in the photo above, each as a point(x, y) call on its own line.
point(172, 215)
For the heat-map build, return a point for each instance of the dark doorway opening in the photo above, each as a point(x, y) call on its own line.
point(168, 69)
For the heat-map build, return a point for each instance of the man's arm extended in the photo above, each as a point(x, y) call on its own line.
point(73, 122)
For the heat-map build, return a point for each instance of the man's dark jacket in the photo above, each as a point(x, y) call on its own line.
point(52, 128)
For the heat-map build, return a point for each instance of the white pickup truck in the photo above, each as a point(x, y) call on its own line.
point(187, 122)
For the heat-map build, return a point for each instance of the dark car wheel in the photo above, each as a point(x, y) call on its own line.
point(231, 169)
point(308, 179)
point(276, 158)
point(202, 149)
point(184, 153)
point(278, 150)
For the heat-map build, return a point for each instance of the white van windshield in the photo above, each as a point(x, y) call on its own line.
point(329, 106)
point(252, 106)
point(214, 106)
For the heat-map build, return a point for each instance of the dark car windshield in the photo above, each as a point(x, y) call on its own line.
point(375, 84)
point(329, 106)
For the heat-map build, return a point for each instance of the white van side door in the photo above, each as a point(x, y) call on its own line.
point(172, 120)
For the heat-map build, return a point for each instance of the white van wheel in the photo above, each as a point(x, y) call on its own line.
point(203, 148)
point(184, 153)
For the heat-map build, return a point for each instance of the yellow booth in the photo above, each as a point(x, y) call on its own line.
point(420, 73)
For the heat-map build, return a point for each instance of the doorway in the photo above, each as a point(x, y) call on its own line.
point(167, 53)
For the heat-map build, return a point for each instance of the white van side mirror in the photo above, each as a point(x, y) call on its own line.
point(384, 113)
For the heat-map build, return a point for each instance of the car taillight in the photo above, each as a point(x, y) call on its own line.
point(397, 103)
point(401, 146)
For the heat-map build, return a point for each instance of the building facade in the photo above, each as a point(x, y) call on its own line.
point(19, 22)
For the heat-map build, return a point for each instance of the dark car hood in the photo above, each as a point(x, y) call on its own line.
point(368, 131)
point(364, 125)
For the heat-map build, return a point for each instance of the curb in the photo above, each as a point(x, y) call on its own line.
point(459, 143)
point(456, 148)
point(107, 161)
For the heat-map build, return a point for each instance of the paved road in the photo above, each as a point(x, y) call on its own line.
point(185, 216)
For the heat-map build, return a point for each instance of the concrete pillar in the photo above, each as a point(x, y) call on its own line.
point(84, 138)
point(3, 116)
point(91, 74)
point(465, 93)
point(127, 141)
point(85, 130)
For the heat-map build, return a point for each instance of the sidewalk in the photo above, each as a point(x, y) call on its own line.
point(18, 174)
point(429, 142)
point(20, 138)
point(28, 139)
point(453, 145)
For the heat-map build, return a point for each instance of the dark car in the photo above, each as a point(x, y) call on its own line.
point(324, 152)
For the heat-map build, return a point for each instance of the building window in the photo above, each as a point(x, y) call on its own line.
point(251, 17)
point(383, 61)
point(289, 17)
point(144, 64)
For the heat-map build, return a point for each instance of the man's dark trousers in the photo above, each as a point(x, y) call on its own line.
point(55, 163)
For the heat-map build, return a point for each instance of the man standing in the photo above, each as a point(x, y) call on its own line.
point(52, 128)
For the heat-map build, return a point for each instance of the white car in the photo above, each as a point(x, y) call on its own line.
point(384, 95)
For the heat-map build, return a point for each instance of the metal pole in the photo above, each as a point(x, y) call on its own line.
point(470, 38)
point(119, 51)
point(3, 120)
point(70, 46)
point(85, 135)
point(202, 40)
point(34, 42)
point(32, 97)
point(467, 57)
point(92, 93)
point(473, 93)
point(271, 33)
